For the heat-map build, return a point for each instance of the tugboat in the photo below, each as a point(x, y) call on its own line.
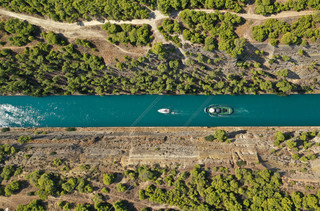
point(165, 111)
point(217, 110)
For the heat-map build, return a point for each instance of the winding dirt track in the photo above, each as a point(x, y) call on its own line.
point(48, 23)
point(73, 30)
point(286, 14)
point(87, 28)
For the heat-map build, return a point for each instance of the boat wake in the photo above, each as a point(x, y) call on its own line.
point(14, 116)
point(179, 113)
point(241, 110)
point(172, 112)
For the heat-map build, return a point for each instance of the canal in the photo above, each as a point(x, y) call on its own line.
point(131, 110)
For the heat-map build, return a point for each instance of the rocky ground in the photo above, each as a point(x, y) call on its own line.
point(118, 149)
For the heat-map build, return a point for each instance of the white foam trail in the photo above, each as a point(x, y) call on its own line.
point(18, 116)
point(241, 110)
point(179, 113)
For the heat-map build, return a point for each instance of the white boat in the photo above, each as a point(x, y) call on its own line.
point(164, 111)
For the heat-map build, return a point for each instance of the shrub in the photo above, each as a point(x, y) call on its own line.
point(67, 206)
point(279, 136)
point(12, 188)
point(304, 136)
point(18, 171)
point(285, 58)
point(220, 135)
point(70, 129)
point(88, 188)
point(85, 167)
point(109, 178)
point(142, 194)
point(53, 38)
point(241, 163)
point(69, 185)
point(160, 50)
point(274, 42)
point(283, 73)
point(289, 38)
point(307, 145)
point(276, 143)
point(5, 129)
point(65, 168)
point(311, 157)
point(24, 139)
point(301, 52)
point(304, 159)
point(27, 156)
point(303, 170)
point(105, 190)
point(30, 193)
point(97, 200)
point(131, 174)
point(34, 205)
point(209, 44)
point(121, 187)
point(57, 162)
point(209, 138)
point(84, 43)
point(291, 144)
point(146, 173)
point(7, 172)
point(120, 206)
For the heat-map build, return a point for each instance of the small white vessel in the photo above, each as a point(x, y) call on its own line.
point(164, 111)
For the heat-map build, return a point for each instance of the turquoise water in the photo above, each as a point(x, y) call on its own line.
point(123, 110)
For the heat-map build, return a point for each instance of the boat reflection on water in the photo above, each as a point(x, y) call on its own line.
point(165, 111)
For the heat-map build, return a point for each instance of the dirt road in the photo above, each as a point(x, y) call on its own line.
point(86, 28)
point(286, 14)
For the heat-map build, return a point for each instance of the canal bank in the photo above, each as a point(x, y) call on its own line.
point(118, 147)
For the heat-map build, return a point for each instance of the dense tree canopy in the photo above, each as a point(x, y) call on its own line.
point(167, 6)
point(265, 7)
point(21, 32)
point(128, 33)
point(170, 30)
point(304, 27)
point(200, 26)
point(73, 10)
point(245, 190)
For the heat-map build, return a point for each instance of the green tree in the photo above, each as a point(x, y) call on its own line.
point(279, 136)
point(289, 38)
point(24, 139)
point(121, 187)
point(11, 188)
point(120, 206)
point(109, 178)
point(220, 135)
point(33, 205)
point(209, 44)
point(159, 50)
point(291, 144)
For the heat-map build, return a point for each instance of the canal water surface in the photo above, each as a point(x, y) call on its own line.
point(125, 110)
